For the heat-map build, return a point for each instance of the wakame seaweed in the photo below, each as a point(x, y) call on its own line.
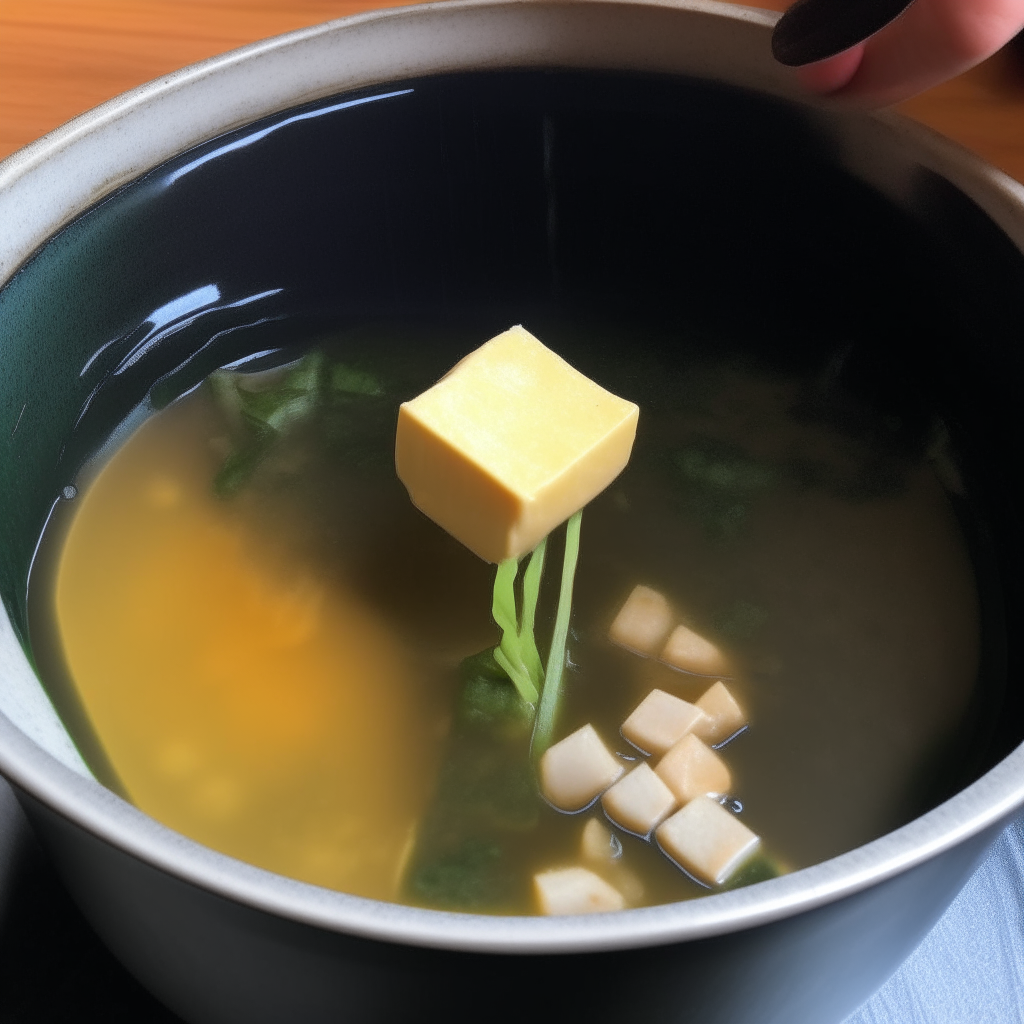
point(348, 404)
point(486, 795)
point(487, 789)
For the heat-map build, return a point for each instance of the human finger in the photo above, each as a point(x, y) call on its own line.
point(811, 31)
point(933, 40)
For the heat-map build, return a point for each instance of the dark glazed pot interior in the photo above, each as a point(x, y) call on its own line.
point(474, 201)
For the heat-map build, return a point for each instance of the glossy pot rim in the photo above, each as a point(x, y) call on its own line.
point(47, 184)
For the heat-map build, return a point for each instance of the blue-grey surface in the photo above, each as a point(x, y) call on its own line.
point(970, 967)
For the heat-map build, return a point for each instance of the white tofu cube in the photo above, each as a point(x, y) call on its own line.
point(643, 622)
point(639, 801)
point(691, 769)
point(602, 848)
point(597, 843)
point(575, 891)
point(577, 769)
point(706, 840)
point(690, 652)
point(660, 721)
point(723, 717)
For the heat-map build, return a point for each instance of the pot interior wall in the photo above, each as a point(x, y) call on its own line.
point(692, 211)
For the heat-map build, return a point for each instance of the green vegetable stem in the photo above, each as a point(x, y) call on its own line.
point(552, 692)
point(517, 654)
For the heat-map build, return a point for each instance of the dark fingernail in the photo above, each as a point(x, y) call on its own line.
point(812, 30)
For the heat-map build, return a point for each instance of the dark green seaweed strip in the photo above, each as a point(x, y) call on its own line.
point(347, 403)
point(486, 798)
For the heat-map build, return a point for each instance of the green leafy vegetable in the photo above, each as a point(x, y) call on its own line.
point(759, 868)
point(721, 483)
point(487, 702)
point(486, 797)
point(348, 380)
point(509, 654)
point(531, 594)
point(517, 653)
point(551, 694)
point(261, 412)
point(518, 674)
point(486, 800)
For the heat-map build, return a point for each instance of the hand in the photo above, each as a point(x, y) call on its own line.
point(932, 40)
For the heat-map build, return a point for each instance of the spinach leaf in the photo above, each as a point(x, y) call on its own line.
point(486, 799)
point(348, 404)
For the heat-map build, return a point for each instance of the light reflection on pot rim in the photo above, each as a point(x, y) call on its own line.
point(245, 92)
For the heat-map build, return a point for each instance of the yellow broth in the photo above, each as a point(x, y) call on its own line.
point(274, 673)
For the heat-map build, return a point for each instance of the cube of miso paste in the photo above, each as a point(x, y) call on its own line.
point(723, 717)
point(660, 721)
point(643, 621)
point(576, 770)
point(707, 840)
point(690, 652)
point(575, 891)
point(691, 769)
point(639, 801)
point(509, 444)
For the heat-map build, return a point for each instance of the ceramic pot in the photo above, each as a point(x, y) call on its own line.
point(316, 171)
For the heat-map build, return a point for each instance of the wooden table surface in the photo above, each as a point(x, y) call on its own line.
point(61, 57)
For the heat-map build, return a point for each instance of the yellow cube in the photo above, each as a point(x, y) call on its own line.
point(509, 444)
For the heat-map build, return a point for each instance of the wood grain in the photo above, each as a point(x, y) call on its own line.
point(61, 57)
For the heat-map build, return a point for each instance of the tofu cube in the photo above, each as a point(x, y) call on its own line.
point(706, 840)
point(577, 770)
point(509, 444)
point(602, 847)
point(660, 721)
point(575, 891)
point(597, 843)
point(691, 769)
point(643, 622)
point(639, 801)
point(690, 652)
point(723, 717)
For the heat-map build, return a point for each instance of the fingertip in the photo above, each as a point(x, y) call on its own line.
point(832, 74)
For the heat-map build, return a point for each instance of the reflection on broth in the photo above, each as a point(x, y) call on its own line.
point(266, 636)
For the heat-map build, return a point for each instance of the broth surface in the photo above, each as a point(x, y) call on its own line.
point(273, 673)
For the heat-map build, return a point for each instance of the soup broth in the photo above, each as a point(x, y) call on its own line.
point(265, 654)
